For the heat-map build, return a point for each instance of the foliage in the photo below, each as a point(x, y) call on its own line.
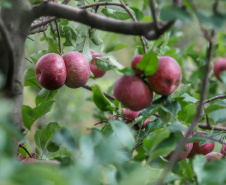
point(111, 152)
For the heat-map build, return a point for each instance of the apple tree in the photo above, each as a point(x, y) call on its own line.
point(146, 77)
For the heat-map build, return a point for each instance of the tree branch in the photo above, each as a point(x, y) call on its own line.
point(215, 98)
point(197, 117)
point(59, 40)
point(210, 127)
point(99, 22)
point(153, 11)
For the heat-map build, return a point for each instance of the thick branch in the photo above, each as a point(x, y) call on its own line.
point(98, 21)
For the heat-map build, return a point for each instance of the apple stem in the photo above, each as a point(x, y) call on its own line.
point(21, 146)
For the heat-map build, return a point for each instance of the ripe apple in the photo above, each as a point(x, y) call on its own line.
point(129, 116)
point(20, 157)
point(93, 67)
point(78, 70)
point(183, 154)
point(134, 63)
point(167, 77)
point(204, 149)
point(213, 156)
point(50, 71)
point(223, 150)
point(132, 92)
point(219, 67)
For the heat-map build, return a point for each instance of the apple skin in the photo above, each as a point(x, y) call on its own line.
point(223, 151)
point(132, 92)
point(95, 70)
point(78, 70)
point(130, 116)
point(204, 149)
point(167, 78)
point(213, 156)
point(50, 71)
point(219, 67)
point(134, 63)
point(20, 157)
point(183, 154)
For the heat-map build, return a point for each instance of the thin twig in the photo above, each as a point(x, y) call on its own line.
point(197, 117)
point(211, 127)
point(21, 146)
point(105, 94)
point(154, 15)
point(59, 39)
point(215, 98)
point(135, 20)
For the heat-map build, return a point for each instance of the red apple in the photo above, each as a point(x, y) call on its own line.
point(129, 116)
point(132, 92)
point(20, 157)
point(223, 150)
point(134, 63)
point(29, 160)
point(50, 71)
point(183, 154)
point(167, 77)
point(78, 70)
point(213, 156)
point(93, 67)
point(219, 67)
point(204, 149)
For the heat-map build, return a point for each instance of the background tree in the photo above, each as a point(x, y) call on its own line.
point(112, 152)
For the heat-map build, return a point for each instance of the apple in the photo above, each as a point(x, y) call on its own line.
point(129, 116)
point(132, 92)
point(50, 71)
point(213, 156)
point(167, 78)
point(20, 157)
point(183, 154)
point(134, 63)
point(219, 67)
point(223, 150)
point(204, 149)
point(93, 67)
point(78, 70)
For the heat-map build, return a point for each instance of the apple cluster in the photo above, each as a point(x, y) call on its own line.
point(73, 69)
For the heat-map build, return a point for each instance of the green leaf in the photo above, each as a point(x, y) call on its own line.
point(187, 112)
point(218, 116)
point(30, 78)
point(209, 172)
point(149, 63)
point(45, 95)
point(6, 4)
point(186, 169)
point(172, 13)
point(124, 134)
point(187, 98)
point(95, 38)
point(37, 55)
point(53, 46)
point(30, 115)
point(153, 140)
point(223, 77)
point(52, 147)
point(127, 71)
point(45, 135)
point(115, 47)
point(70, 36)
point(63, 137)
point(100, 100)
point(83, 47)
point(181, 90)
point(116, 12)
point(107, 63)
